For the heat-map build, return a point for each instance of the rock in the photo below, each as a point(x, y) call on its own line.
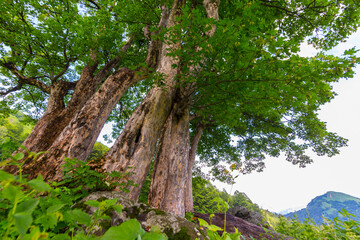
point(247, 229)
point(248, 215)
point(173, 226)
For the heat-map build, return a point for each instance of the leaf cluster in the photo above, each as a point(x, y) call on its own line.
point(33, 209)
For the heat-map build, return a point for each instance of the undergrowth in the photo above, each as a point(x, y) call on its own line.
point(34, 209)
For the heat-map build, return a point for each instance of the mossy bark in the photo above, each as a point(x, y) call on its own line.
point(134, 149)
point(167, 190)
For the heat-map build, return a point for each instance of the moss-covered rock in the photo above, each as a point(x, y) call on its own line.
point(174, 226)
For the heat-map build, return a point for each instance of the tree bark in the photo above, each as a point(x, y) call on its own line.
point(134, 149)
point(172, 174)
point(167, 190)
point(56, 116)
point(189, 203)
point(79, 136)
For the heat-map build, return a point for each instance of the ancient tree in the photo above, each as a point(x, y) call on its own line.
point(218, 79)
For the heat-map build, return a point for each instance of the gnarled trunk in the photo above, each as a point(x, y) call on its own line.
point(135, 147)
point(56, 116)
point(167, 190)
point(79, 136)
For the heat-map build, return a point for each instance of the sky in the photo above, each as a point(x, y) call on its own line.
point(283, 186)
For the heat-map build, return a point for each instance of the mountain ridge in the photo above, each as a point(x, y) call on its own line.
point(328, 205)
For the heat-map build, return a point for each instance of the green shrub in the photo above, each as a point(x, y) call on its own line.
point(33, 209)
point(335, 229)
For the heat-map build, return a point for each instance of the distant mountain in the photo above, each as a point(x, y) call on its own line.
point(328, 206)
point(289, 210)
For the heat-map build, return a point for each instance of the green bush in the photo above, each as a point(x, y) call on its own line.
point(336, 229)
point(33, 209)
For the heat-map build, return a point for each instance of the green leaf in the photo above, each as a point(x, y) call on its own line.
point(80, 236)
point(12, 193)
point(118, 208)
point(4, 176)
point(155, 229)
point(27, 207)
point(214, 228)
point(109, 202)
point(63, 236)
point(203, 223)
point(235, 236)
point(80, 217)
point(47, 221)
point(154, 236)
point(35, 234)
point(128, 230)
point(18, 156)
point(54, 208)
point(213, 235)
point(39, 184)
point(92, 203)
point(22, 222)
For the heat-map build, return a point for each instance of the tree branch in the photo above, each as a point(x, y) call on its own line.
point(114, 63)
point(95, 4)
point(66, 67)
point(13, 89)
point(25, 80)
point(289, 12)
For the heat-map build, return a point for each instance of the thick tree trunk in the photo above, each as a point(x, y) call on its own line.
point(172, 174)
point(56, 116)
point(134, 149)
point(189, 203)
point(79, 136)
point(167, 190)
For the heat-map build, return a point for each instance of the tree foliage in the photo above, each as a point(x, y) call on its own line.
point(13, 131)
point(207, 198)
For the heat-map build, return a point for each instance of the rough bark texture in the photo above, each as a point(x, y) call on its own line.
point(167, 190)
point(135, 147)
point(56, 117)
point(79, 136)
point(189, 201)
point(172, 174)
